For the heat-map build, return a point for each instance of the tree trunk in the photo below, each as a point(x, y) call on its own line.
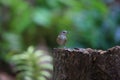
point(86, 64)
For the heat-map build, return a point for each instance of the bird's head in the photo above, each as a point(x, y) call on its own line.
point(64, 32)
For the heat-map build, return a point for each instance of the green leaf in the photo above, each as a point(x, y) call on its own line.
point(46, 66)
point(45, 73)
point(13, 41)
point(41, 78)
point(45, 58)
point(42, 17)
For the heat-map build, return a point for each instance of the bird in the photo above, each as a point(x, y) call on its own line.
point(61, 38)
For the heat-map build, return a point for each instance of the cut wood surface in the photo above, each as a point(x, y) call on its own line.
point(86, 64)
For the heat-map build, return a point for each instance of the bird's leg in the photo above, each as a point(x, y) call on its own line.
point(64, 46)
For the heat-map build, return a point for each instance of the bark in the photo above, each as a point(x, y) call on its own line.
point(86, 64)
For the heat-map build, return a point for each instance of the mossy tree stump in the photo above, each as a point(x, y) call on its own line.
point(86, 64)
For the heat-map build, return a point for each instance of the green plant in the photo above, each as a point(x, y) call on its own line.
point(32, 65)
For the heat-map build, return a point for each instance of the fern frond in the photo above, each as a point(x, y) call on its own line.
point(33, 65)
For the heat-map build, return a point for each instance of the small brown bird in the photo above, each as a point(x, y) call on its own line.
point(61, 39)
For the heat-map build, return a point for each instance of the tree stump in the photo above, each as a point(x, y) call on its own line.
point(86, 64)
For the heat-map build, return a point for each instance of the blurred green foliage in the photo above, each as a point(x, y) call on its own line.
point(26, 22)
point(94, 24)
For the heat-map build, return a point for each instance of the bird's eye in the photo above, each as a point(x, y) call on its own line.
point(64, 32)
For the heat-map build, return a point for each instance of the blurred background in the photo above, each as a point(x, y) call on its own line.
point(28, 30)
